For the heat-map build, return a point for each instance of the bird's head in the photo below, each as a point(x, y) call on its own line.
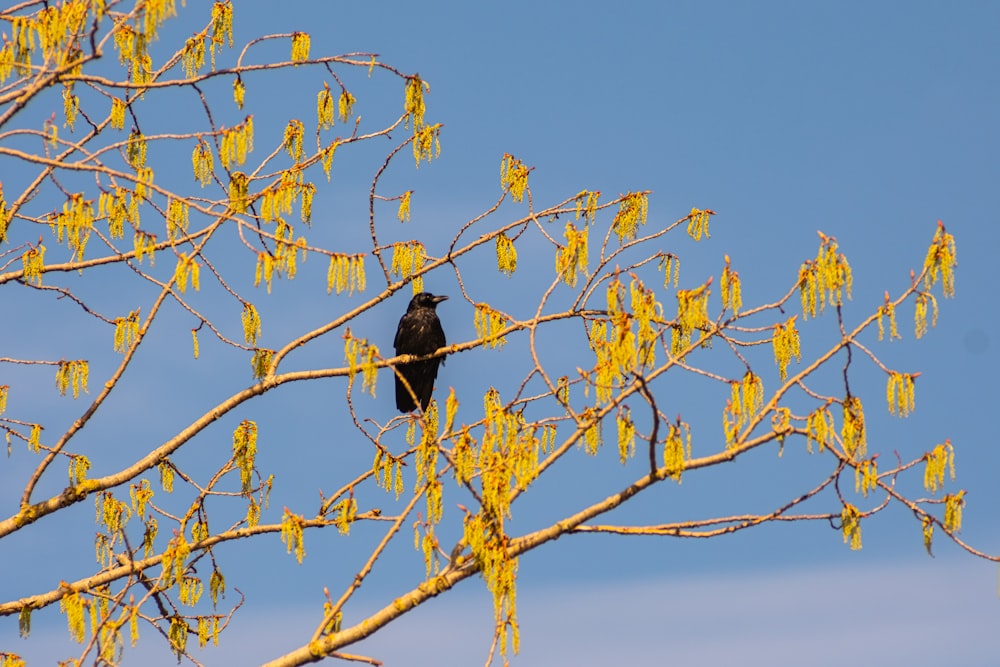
point(425, 300)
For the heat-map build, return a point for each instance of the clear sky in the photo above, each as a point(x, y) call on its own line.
point(866, 120)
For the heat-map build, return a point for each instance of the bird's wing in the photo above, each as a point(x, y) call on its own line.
point(405, 336)
point(439, 339)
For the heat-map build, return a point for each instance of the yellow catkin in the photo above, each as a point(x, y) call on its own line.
point(427, 143)
point(203, 162)
point(407, 258)
point(324, 108)
point(33, 262)
point(251, 323)
point(785, 342)
point(71, 107)
point(345, 105)
point(294, 134)
point(193, 55)
point(489, 323)
point(732, 289)
point(632, 212)
point(626, 436)
point(850, 521)
point(222, 26)
point(238, 192)
point(677, 449)
point(362, 356)
point(920, 313)
point(178, 219)
point(953, 504)
point(506, 255)
point(865, 476)
point(403, 213)
point(940, 262)
point(571, 259)
point(670, 265)
point(345, 272)
point(4, 217)
point(927, 526)
point(327, 157)
point(900, 393)
point(692, 314)
point(940, 460)
point(245, 452)
point(239, 92)
point(888, 311)
point(72, 605)
point(292, 536)
point(853, 430)
point(698, 224)
point(586, 205)
point(828, 278)
point(300, 46)
point(126, 331)
point(261, 363)
point(72, 374)
point(414, 103)
point(237, 143)
point(819, 429)
point(514, 176)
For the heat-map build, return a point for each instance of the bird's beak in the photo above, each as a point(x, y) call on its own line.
point(439, 299)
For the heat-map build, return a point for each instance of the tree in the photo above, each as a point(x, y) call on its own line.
point(125, 238)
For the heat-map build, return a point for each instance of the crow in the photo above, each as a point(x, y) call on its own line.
point(419, 333)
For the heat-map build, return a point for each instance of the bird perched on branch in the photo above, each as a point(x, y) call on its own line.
point(419, 333)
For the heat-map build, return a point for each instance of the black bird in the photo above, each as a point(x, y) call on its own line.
point(419, 333)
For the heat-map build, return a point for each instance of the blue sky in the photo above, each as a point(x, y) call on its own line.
point(868, 121)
